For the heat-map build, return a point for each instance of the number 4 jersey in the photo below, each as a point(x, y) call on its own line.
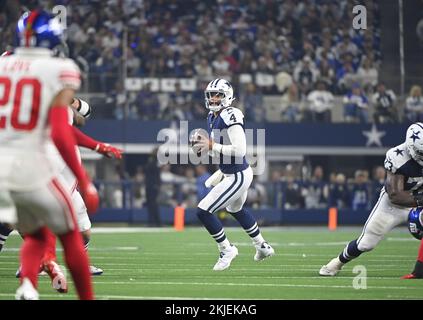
point(399, 161)
point(29, 81)
point(217, 126)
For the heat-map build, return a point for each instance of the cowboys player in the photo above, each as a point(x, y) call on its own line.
point(402, 191)
point(228, 142)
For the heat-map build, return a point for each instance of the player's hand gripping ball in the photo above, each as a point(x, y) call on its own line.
point(196, 138)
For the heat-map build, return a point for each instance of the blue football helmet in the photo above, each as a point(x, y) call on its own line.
point(38, 29)
point(415, 223)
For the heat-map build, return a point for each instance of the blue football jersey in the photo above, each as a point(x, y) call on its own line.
point(217, 128)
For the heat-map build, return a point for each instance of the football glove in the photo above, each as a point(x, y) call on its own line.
point(109, 151)
point(214, 179)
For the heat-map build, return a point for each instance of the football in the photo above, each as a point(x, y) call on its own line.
point(196, 136)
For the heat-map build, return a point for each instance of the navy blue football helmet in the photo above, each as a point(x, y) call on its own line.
point(415, 223)
point(38, 29)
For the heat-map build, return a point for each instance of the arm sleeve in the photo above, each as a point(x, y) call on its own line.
point(64, 139)
point(238, 146)
point(83, 140)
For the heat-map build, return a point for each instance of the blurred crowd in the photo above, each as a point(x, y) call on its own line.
point(305, 51)
point(184, 185)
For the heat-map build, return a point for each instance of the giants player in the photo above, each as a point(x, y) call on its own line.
point(36, 89)
point(67, 179)
point(415, 226)
point(402, 191)
point(234, 176)
point(81, 111)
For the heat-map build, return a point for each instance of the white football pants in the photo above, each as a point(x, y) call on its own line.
point(230, 193)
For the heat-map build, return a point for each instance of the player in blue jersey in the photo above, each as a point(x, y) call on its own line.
point(403, 191)
point(231, 182)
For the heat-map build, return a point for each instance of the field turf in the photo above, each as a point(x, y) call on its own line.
point(147, 263)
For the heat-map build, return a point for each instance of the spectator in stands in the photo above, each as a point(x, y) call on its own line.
point(367, 75)
point(197, 101)
point(414, 105)
point(138, 188)
point(170, 186)
point(305, 74)
point(133, 63)
point(179, 106)
point(253, 104)
point(257, 196)
point(148, 104)
point(292, 197)
point(320, 104)
point(152, 189)
point(338, 192)
point(165, 37)
point(274, 189)
point(246, 63)
point(203, 70)
point(327, 75)
point(384, 102)
point(221, 67)
point(107, 67)
point(116, 102)
point(356, 106)
point(345, 74)
point(189, 189)
point(315, 191)
point(378, 183)
point(360, 193)
point(109, 40)
point(290, 109)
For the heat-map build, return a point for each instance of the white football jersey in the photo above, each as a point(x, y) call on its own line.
point(399, 161)
point(29, 81)
point(68, 179)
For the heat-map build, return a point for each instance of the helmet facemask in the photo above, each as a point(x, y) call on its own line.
point(215, 100)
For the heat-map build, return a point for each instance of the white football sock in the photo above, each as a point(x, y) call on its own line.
point(225, 244)
point(258, 239)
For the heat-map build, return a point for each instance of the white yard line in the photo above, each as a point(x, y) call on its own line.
point(232, 284)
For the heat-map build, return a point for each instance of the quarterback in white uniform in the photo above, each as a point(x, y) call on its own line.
point(231, 182)
point(401, 193)
point(36, 89)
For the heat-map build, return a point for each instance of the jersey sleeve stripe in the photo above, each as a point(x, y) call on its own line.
point(69, 76)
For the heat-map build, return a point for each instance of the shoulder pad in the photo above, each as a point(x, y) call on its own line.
point(232, 116)
point(69, 74)
point(396, 158)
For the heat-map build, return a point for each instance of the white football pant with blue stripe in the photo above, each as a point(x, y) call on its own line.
point(384, 217)
point(230, 193)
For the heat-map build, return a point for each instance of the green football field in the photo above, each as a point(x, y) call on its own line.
point(147, 263)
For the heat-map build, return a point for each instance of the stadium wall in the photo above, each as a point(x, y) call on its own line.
point(277, 134)
point(263, 216)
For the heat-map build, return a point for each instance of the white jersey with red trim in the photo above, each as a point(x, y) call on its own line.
point(67, 178)
point(29, 81)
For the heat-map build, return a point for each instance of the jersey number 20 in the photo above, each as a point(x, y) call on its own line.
point(15, 122)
